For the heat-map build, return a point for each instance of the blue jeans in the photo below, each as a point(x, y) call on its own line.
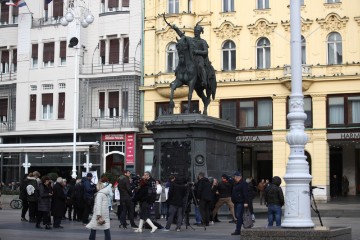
point(93, 234)
point(197, 215)
point(274, 211)
point(239, 212)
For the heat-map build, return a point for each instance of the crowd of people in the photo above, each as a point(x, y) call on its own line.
point(146, 199)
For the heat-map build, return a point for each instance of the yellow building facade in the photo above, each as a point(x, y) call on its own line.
point(249, 47)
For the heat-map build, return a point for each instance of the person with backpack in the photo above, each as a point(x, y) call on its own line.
point(274, 200)
point(32, 190)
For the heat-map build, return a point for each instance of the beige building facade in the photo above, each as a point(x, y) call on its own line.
point(249, 47)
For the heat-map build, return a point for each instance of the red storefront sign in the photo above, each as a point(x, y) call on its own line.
point(113, 137)
point(130, 148)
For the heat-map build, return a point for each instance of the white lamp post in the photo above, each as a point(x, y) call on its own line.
point(77, 11)
point(297, 205)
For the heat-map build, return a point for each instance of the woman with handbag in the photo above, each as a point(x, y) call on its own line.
point(100, 219)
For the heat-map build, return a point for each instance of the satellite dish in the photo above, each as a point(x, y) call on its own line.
point(73, 42)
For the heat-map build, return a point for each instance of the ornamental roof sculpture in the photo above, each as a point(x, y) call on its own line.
point(227, 30)
point(262, 27)
point(333, 22)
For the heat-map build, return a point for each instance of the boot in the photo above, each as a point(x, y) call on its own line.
point(38, 225)
point(139, 229)
point(153, 227)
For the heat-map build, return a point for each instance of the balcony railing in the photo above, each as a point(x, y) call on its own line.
point(7, 126)
point(110, 122)
point(130, 66)
point(306, 70)
point(9, 76)
point(38, 22)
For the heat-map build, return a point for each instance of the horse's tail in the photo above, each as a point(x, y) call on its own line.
point(212, 82)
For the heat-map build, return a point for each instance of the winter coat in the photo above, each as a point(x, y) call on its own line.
point(274, 194)
point(101, 207)
point(89, 188)
point(44, 200)
point(23, 185)
point(177, 192)
point(240, 192)
point(203, 189)
point(224, 189)
point(58, 205)
point(141, 195)
point(33, 197)
point(124, 188)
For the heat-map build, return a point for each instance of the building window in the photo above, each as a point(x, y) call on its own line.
point(333, 1)
point(114, 51)
point(303, 50)
point(246, 113)
point(15, 15)
point(58, 6)
point(47, 86)
point(47, 106)
point(113, 104)
point(228, 5)
point(263, 53)
point(344, 110)
point(173, 6)
point(62, 53)
point(3, 110)
point(32, 115)
point(302, 2)
point(113, 5)
point(161, 109)
point(4, 61)
point(229, 55)
point(307, 111)
point(125, 104)
point(102, 51)
point(190, 2)
point(125, 3)
point(334, 48)
point(34, 55)
point(62, 85)
point(172, 57)
point(48, 55)
point(61, 106)
point(101, 104)
point(263, 4)
point(194, 107)
point(14, 60)
point(126, 50)
point(4, 15)
point(33, 87)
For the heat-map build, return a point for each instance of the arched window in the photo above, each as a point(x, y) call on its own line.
point(334, 45)
point(303, 50)
point(171, 57)
point(263, 53)
point(229, 55)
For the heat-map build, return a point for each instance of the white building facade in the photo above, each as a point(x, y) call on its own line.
point(37, 86)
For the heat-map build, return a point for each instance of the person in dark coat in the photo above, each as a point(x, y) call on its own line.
point(204, 196)
point(274, 199)
point(32, 195)
point(240, 199)
point(59, 202)
point(126, 203)
point(334, 186)
point(78, 200)
point(141, 195)
point(177, 191)
point(44, 203)
point(69, 199)
point(89, 191)
point(23, 196)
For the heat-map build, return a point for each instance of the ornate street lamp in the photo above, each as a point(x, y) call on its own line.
point(78, 11)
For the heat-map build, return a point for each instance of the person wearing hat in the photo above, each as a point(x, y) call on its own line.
point(240, 199)
point(89, 191)
point(224, 190)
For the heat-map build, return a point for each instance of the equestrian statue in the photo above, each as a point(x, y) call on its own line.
point(194, 68)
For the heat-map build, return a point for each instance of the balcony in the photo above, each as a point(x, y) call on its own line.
point(8, 76)
point(122, 67)
point(110, 122)
point(7, 126)
point(45, 21)
point(306, 70)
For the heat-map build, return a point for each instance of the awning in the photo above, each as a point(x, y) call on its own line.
point(47, 147)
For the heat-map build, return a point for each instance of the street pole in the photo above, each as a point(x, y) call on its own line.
point(297, 200)
point(73, 175)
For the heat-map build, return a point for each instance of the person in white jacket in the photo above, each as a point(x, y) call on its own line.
point(158, 199)
point(101, 209)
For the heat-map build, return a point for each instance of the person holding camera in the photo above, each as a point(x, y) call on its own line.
point(101, 216)
point(126, 202)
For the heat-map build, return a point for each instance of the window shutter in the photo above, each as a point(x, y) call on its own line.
point(48, 52)
point(34, 51)
point(32, 107)
point(125, 3)
point(15, 11)
point(58, 8)
point(113, 99)
point(4, 13)
point(3, 107)
point(114, 51)
point(14, 56)
point(63, 49)
point(126, 50)
point(46, 5)
point(47, 99)
point(102, 48)
point(5, 56)
point(101, 100)
point(113, 3)
point(61, 107)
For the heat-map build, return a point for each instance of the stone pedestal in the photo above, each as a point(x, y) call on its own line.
point(317, 233)
point(186, 144)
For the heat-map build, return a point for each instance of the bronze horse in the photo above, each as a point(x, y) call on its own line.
point(189, 73)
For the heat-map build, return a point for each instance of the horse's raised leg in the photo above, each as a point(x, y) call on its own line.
point(173, 85)
point(205, 99)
